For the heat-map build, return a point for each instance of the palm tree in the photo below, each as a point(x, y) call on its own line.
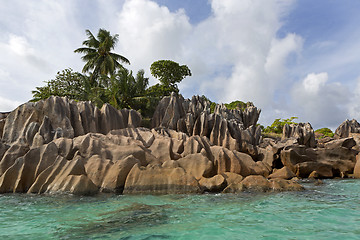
point(98, 55)
point(123, 90)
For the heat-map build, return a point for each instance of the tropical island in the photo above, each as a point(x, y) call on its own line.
point(106, 130)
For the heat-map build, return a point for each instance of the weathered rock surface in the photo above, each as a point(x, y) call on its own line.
point(347, 127)
point(334, 161)
point(59, 145)
point(344, 142)
point(302, 132)
point(155, 179)
point(39, 123)
point(279, 184)
point(232, 129)
point(213, 184)
point(258, 183)
point(125, 161)
point(284, 173)
point(357, 167)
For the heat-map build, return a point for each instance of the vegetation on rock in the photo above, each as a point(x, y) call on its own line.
point(324, 132)
point(66, 83)
point(169, 73)
point(105, 80)
point(235, 105)
point(239, 105)
point(278, 125)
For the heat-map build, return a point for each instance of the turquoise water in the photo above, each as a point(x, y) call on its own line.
point(327, 211)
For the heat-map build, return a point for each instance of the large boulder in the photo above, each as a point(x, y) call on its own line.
point(213, 184)
point(283, 173)
point(292, 155)
point(256, 183)
point(323, 170)
point(331, 161)
point(279, 184)
point(343, 142)
point(197, 165)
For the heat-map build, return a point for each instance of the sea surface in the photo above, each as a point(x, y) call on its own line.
point(327, 211)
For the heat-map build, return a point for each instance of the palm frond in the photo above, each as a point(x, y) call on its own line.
point(118, 57)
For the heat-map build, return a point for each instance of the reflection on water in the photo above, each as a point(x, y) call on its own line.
point(125, 219)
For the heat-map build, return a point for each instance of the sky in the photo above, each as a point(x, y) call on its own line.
point(290, 58)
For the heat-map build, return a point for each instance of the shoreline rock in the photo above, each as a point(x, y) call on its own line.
point(62, 146)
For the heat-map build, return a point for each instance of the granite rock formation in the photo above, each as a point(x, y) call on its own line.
point(35, 124)
point(59, 145)
point(302, 132)
point(346, 128)
point(129, 161)
point(232, 129)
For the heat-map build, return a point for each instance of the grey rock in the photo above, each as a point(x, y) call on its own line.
point(347, 127)
point(55, 113)
point(344, 142)
point(232, 129)
point(302, 132)
point(2, 124)
point(30, 132)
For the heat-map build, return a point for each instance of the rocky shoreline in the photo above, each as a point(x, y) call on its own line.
point(62, 146)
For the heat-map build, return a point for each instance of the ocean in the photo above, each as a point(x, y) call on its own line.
point(323, 211)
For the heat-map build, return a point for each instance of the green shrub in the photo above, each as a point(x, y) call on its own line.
point(326, 132)
point(278, 125)
point(239, 105)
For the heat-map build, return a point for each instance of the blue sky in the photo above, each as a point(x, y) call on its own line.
point(291, 58)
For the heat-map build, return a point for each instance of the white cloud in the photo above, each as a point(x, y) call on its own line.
point(313, 82)
point(354, 104)
point(7, 105)
point(275, 66)
point(238, 52)
point(37, 39)
point(150, 32)
point(236, 46)
point(20, 45)
point(319, 101)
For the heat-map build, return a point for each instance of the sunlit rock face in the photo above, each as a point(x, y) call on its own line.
point(62, 146)
point(232, 129)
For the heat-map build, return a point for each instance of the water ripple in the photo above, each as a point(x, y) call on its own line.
point(327, 211)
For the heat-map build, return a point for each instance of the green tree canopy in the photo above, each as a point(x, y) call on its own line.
point(123, 90)
point(169, 74)
point(66, 83)
point(325, 132)
point(239, 105)
point(98, 56)
point(105, 80)
point(278, 125)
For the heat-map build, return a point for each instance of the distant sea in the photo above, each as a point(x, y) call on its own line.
point(327, 211)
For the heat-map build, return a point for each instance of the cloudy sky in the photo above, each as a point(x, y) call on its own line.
point(291, 58)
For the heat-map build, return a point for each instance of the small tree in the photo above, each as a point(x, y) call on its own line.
point(239, 105)
point(66, 83)
point(98, 56)
point(169, 74)
point(278, 125)
point(325, 132)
